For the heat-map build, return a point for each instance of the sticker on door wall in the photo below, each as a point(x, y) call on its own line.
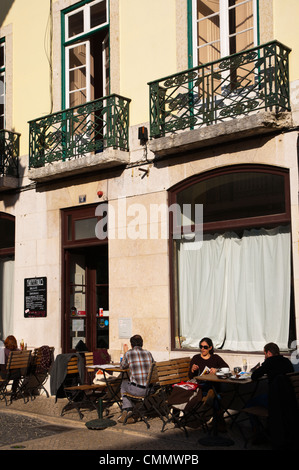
point(35, 297)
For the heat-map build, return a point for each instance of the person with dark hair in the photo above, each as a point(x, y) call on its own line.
point(275, 364)
point(10, 344)
point(138, 361)
point(275, 367)
point(206, 358)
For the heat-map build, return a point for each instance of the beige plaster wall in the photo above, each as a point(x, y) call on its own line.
point(29, 72)
point(139, 264)
point(285, 30)
point(139, 268)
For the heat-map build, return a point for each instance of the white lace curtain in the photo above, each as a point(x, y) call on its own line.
point(6, 297)
point(236, 290)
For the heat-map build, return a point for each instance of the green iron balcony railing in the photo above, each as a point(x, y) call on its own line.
point(75, 132)
point(245, 82)
point(9, 153)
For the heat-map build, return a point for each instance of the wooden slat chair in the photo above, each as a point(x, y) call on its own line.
point(168, 375)
point(16, 372)
point(111, 393)
point(89, 361)
point(143, 406)
point(182, 414)
point(39, 371)
point(80, 395)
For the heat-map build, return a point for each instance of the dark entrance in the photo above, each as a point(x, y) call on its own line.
point(86, 282)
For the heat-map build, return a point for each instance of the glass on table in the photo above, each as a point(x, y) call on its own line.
point(237, 371)
point(244, 364)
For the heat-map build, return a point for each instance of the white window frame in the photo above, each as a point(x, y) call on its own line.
point(67, 72)
point(86, 19)
point(224, 28)
point(105, 63)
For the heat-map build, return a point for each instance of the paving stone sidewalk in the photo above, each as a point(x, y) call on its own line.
point(37, 425)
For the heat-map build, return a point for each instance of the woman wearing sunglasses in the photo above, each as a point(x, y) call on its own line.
point(206, 358)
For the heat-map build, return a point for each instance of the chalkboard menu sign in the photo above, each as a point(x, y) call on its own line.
point(35, 297)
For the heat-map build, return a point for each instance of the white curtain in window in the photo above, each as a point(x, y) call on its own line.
point(6, 297)
point(236, 290)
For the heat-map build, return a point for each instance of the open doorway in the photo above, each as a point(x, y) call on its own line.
point(87, 297)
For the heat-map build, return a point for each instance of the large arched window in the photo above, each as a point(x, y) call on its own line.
point(7, 250)
point(235, 287)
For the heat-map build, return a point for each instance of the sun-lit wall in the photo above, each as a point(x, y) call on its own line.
point(285, 30)
point(30, 69)
point(147, 49)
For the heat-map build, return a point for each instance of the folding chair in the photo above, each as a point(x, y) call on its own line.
point(279, 421)
point(143, 406)
point(184, 411)
point(189, 408)
point(41, 361)
point(16, 372)
point(168, 375)
point(79, 395)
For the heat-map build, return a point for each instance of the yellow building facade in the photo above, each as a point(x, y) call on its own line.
point(123, 110)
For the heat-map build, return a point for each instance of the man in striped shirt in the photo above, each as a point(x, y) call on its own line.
point(138, 361)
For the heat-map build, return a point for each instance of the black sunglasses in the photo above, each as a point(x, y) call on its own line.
point(204, 347)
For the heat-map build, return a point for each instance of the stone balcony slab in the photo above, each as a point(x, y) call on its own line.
point(260, 123)
point(8, 182)
point(86, 164)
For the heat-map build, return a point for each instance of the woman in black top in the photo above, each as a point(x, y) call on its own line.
point(206, 358)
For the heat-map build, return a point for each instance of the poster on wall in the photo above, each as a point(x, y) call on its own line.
point(35, 297)
point(124, 328)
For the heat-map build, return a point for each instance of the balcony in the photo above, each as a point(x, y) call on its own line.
point(200, 106)
point(9, 159)
point(85, 138)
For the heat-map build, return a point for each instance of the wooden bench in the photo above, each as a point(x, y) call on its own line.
point(192, 410)
point(173, 371)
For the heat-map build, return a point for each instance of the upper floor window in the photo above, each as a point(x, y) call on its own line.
point(85, 19)
point(2, 83)
point(86, 53)
point(222, 28)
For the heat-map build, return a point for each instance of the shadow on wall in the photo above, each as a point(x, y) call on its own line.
point(4, 9)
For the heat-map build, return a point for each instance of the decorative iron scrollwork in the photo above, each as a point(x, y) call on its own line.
point(254, 79)
point(9, 153)
point(78, 131)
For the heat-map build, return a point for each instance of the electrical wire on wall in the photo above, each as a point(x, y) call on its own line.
point(48, 46)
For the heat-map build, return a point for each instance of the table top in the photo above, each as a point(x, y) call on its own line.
point(215, 378)
point(107, 367)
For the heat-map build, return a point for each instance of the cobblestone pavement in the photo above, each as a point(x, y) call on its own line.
point(37, 425)
point(17, 428)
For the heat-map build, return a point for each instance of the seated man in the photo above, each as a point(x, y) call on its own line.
point(274, 367)
point(138, 361)
point(275, 364)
